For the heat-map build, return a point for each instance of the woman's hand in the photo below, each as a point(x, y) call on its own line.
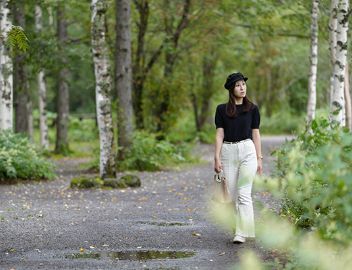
point(260, 166)
point(217, 165)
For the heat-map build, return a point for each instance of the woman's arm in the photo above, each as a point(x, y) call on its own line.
point(258, 149)
point(218, 144)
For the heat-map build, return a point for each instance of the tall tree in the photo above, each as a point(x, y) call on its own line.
point(62, 88)
point(173, 35)
point(6, 90)
point(103, 87)
point(140, 67)
point(312, 84)
point(23, 104)
point(123, 76)
point(201, 99)
point(43, 127)
point(332, 41)
point(337, 106)
point(348, 98)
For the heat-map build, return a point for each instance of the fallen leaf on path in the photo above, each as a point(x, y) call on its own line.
point(196, 234)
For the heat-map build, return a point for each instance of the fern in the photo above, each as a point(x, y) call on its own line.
point(17, 39)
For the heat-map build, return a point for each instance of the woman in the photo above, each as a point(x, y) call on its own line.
point(238, 151)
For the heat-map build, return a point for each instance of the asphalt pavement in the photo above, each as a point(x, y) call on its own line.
point(162, 225)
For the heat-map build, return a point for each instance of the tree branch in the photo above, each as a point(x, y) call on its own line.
point(183, 22)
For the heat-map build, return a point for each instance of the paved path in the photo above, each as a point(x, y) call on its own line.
point(43, 223)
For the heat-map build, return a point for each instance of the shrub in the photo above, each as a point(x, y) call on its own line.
point(19, 159)
point(83, 130)
point(147, 153)
point(316, 172)
point(282, 122)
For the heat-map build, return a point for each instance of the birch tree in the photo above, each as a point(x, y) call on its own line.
point(6, 91)
point(103, 87)
point(337, 105)
point(312, 86)
point(63, 89)
point(332, 40)
point(43, 127)
point(123, 75)
point(348, 98)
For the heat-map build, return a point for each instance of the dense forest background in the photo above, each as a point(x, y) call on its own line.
point(268, 41)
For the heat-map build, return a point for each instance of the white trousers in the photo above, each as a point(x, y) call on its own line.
point(239, 162)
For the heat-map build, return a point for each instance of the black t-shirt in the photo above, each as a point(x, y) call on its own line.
point(240, 127)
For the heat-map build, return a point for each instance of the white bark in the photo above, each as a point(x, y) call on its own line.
point(6, 69)
point(337, 106)
point(103, 87)
point(332, 41)
point(30, 119)
point(51, 17)
point(43, 127)
point(312, 86)
point(348, 99)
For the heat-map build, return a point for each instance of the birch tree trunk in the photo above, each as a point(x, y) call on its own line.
point(332, 41)
point(103, 87)
point(6, 83)
point(63, 90)
point(337, 106)
point(312, 86)
point(123, 76)
point(20, 81)
point(50, 16)
point(348, 98)
point(43, 127)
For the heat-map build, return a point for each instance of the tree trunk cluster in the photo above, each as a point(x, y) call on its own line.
point(340, 98)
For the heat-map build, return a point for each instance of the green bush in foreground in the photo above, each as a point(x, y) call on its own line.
point(316, 171)
point(20, 160)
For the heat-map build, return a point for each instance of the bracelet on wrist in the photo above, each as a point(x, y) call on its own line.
point(260, 157)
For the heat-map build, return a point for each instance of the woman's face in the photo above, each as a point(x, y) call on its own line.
point(240, 89)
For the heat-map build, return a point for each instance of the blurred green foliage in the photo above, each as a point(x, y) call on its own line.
point(19, 159)
point(283, 122)
point(315, 170)
point(267, 40)
point(149, 154)
point(86, 182)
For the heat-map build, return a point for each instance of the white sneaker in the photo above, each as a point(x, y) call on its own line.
point(239, 239)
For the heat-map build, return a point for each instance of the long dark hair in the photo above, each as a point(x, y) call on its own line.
point(231, 105)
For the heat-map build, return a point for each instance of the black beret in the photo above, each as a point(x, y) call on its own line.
point(232, 79)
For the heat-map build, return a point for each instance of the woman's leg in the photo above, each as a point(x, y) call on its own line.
point(229, 163)
point(244, 204)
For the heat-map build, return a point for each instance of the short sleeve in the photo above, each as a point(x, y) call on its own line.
point(219, 121)
point(255, 118)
